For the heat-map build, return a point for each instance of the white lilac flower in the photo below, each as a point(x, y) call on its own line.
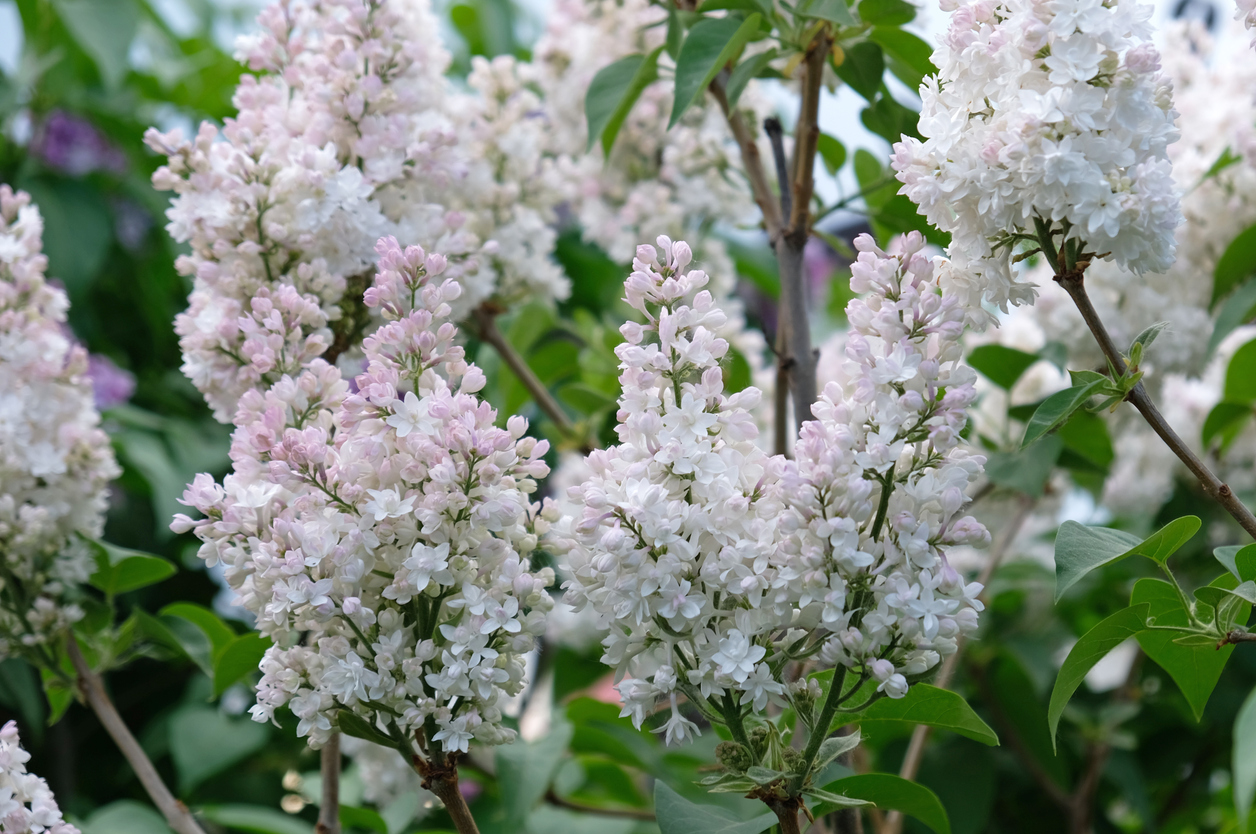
point(708, 585)
point(27, 805)
point(404, 558)
point(1051, 111)
point(55, 461)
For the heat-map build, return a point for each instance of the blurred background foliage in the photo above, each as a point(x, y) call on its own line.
point(90, 77)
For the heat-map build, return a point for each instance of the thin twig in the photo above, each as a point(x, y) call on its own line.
point(92, 689)
point(1074, 285)
point(486, 322)
point(442, 779)
point(772, 127)
point(644, 814)
point(329, 804)
point(920, 736)
point(750, 160)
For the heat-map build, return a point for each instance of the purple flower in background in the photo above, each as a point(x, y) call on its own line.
point(111, 385)
point(131, 222)
point(74, 146)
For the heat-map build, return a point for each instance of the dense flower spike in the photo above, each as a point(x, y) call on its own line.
point(392, 525)
point(714, 564)
point(1048, 112)
point(55, 461)
point(27, 806)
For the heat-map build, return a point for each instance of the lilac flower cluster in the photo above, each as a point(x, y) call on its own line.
point(27, 805)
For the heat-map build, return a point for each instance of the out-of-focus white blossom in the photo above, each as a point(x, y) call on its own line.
point(1044, 110)
point(390, 524)
point(713, 564)
point(27, 805)
point(55, 461)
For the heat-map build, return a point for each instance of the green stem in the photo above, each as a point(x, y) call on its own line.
point(1045, 241)
point(820, 731)
point(887, 487)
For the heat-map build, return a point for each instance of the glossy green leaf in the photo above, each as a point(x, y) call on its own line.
point(1243, 768)
point(886, 12)
point(364, 818)
point(1080, 549)
point(119, 569)
point(1238, 309)
point(1240, 376)
point(675, 32)
point(1236, 265)
point(1195, 669)
point(892, 793)
point(204, 741)
point(834, 11)
point(710, 44)
point(219, 633)
point(104, 29)
point(746, 70)
point(255, 819)
point(1239, 560)
point(935, 707)
point(677, 815)
point(612, 94)
point(1025, 470)
point(1001, 365)
point(1087, 435)
point(1224, 422)
point(238, 659)
point(832, 152)
point(862, 68)
point(1089, 650)
point(909, 56)
point(1056, 408)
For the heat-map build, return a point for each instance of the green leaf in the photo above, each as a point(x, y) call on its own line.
point(238, 658)
point(352, 724)
point(1089, 650)
point(255, 819)
point(1225, 421)
point(1227, 158)
point(1087, 435)
point(832, 152)
point(762, 775)
point(710, 44)
point(1080, 549)
point(1240, 376)
point(1025, 470)
point(1243, 769)
point(935, 707)
point(59, 695)
point(525, 771)
point(104, 29)
point(1238, 309)
point(675, 32)
point(892, 793)
point(119, 569)
point(126, 816)
point(677, 815)
point(1056, 408)
point(835, 746)
point(353, 817)
point(909, 56)
point(886, 12)
point(746, 70)
point(204, 741)
point(1148, 335)
point(1195, 670)
point(613, 92)
point(219, 633)
point(1001, 365)
point(1239, 560)
point(869, 173)
point(834, 11)
point(862, 68)
point(1236, 264)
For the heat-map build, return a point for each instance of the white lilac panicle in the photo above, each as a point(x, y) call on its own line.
point(27, 805)
point(55, 461)
point(1246, 12)
point(392, 525)
point(714, 564)
point(1051, 110)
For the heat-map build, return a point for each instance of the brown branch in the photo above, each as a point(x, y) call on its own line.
point(1237, 637)
point(92, 690)
point(750, 160)
point(485, 318)
point(329, 803)
point(1074, 285)
point(643, 814)
point(442, 780)
point(920, 736)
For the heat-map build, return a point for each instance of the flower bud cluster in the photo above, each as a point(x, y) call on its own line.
point(55, 461)
point(27, 805)
point(381, 534)
point(714, 564)
point(1051, 112)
